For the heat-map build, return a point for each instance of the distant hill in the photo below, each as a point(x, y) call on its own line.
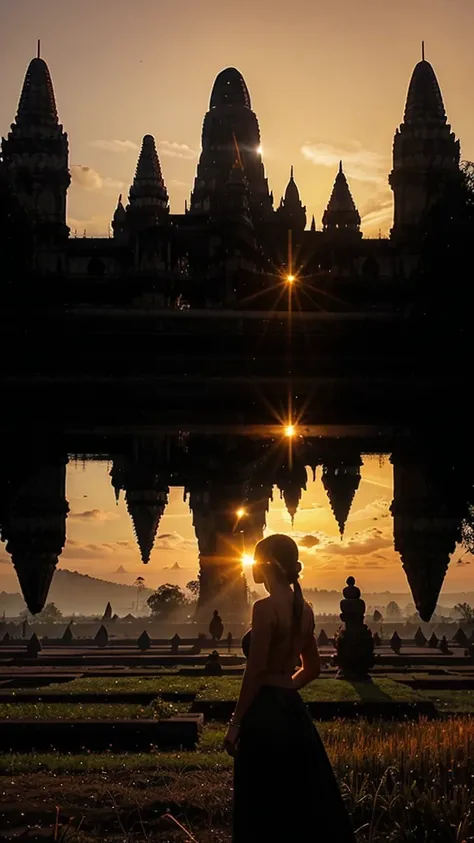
point(80, 594)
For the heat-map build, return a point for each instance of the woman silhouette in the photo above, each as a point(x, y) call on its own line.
point(284, 786)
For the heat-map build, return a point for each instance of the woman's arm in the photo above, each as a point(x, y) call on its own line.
point(257, 664)
point(311, 665)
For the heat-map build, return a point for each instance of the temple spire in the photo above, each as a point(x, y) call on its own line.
point(148, 194)
point(37, 106)
point(341, 213)
point(291, 212)
point(426, 153)
point(313, 224)
point(39, 49)
point(341, 481)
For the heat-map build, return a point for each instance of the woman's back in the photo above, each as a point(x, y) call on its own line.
point(288, 637)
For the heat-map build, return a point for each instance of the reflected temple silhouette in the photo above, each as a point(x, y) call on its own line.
point(179, 349)
point(229, 481)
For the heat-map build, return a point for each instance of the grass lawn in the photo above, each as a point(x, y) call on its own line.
point(129, 684)
point(85, 711)
point(322, 690)
point(450, 700)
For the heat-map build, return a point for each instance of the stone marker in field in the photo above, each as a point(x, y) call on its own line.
point(354, 644)
point(433, 642)
point(461, 638)
point(144, 641)
point(216, 627)
point(444, 647)
point(420, 638)
point(323, 640)
point(229, 642)
point(213, 665)
point(33, 647)
point(67, 636)
point(175, 642)
point(396, 643)
point(102, 637)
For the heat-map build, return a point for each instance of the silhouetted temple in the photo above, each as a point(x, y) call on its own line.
point(181, 347)
point(231, 243)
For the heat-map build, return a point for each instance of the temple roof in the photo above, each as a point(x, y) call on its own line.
point(120, 213)
point(35, 573)
point(424, 100)
point(37, 104)
point(341, 210)
point(230, 89)
point(145, 511)
point(148, 167)
point(148, 183)
point(341, 483)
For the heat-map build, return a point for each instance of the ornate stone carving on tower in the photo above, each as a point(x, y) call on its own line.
point(119, 223)
point(36, 154)
point(341, 480)
point(291, 481)
point(429, 504)
point(292, 213)
point(34, 527)
point(425, 154)
point(230, 121)
point(341, 218)
point(141, 477)
point(149, 203)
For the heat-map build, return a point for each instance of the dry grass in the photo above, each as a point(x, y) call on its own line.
point(402, 783)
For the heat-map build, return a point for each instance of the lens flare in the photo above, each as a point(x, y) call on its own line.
point(290, 431)
point(241, 512)
point(290, 278)
point(247, 560)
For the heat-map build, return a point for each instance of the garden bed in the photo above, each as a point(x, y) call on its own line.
point(70, 736)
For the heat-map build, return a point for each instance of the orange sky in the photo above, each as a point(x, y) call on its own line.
point(327, 80)
point(100, 536)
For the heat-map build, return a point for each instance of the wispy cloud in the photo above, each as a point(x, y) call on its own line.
point(172, 149)
point(173, 541)
point(99, 515)
point(119, 146)
point(85, 177)
point(359, 163)
point(89, 179)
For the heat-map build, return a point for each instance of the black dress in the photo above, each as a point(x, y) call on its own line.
point(285, 790)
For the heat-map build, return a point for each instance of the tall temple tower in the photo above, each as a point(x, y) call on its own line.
point(425, 154)
point(291, 212)
point(149, 203)
point(341, 218)
point(36, 154)
point(230, 124)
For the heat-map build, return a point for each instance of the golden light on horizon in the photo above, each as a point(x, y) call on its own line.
point(241, 512)
point(290, 278)
point(290, 431)
point(247, 560)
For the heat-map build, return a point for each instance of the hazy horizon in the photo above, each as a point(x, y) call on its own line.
point(100, 535)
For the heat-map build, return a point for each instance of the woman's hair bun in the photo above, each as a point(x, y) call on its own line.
point(295, 572)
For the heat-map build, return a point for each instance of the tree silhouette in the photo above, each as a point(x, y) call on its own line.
point(193, 587)
point(166, 600)
point(466, 611)
point(49, 613)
